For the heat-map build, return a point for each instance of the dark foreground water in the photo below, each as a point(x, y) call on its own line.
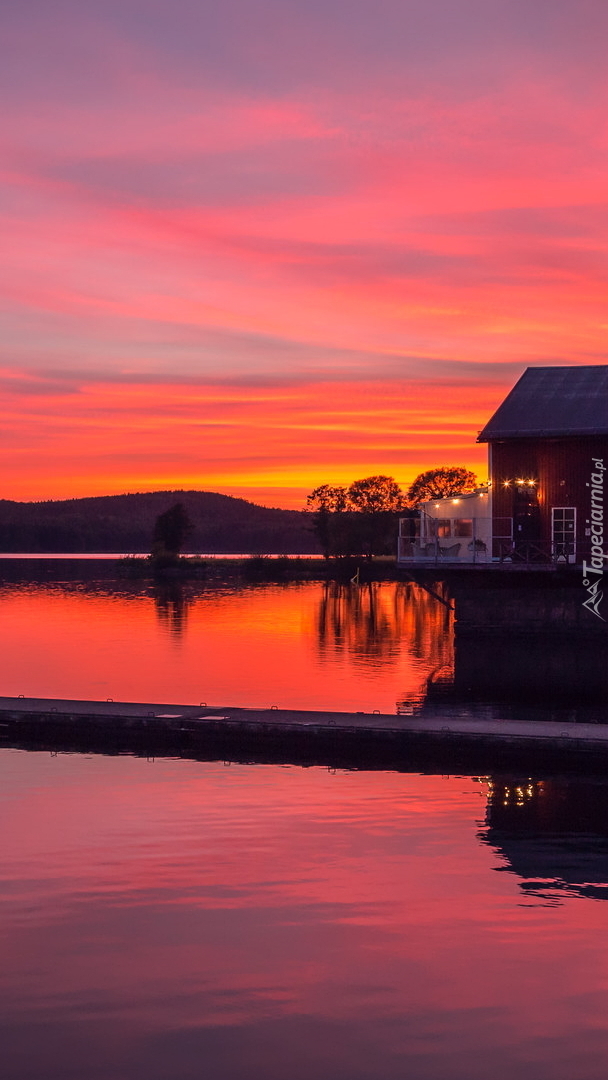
point(178, 920)
point(175, 920)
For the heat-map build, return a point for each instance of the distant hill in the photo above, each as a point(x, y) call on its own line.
point(124, 523)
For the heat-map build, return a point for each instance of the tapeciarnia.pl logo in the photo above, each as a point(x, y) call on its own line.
point(593, 571)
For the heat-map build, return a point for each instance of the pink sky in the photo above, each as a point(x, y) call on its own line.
point(258, 246)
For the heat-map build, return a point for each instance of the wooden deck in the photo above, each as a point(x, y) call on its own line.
point(494, 566)
point(458, 734)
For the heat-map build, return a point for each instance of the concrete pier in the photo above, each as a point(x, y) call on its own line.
point(462, 737)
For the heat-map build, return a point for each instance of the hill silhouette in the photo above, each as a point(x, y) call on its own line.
point(124, 524)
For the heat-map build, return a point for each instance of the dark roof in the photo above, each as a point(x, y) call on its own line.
point(553, 401)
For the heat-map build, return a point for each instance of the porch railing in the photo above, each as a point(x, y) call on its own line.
point(442, 551)
point(536, 553)
point(508, 552)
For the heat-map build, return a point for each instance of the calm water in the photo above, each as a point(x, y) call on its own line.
point(303, 646)
point(172, 920)
point(175, 920)
point(309, 645)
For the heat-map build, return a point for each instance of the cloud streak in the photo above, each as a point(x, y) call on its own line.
point(89, 435)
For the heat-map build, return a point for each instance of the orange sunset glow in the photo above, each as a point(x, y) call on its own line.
point(261, 248)
point(267, 443)
point(394, 638)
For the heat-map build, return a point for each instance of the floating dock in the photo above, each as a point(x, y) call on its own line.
point(461, 738)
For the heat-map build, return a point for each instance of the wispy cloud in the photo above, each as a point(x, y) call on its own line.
point(90, 434)
point(273, 199)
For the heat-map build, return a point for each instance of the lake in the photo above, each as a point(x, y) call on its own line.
point(308, 645)
point(172, 919)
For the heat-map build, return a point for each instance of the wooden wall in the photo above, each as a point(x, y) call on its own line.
point(562, 469)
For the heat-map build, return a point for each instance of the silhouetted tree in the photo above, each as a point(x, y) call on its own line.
point(376, 502)
point(328, 505)
point(376, 495)
point(441, 482)
point(360, 520)
point(171, 531)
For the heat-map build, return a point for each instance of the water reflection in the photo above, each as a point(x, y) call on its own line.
point(176, 919)
point(171, 603)
point(552, 833)
point(301, 645)
point(371, 622)
point(537, 669)
point(523, 677)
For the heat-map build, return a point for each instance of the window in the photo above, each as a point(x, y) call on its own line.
point(444, 528)
point(463, 527)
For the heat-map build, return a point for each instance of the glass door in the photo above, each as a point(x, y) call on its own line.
point(563, 533)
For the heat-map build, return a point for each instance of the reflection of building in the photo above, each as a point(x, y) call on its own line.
point(532, 670)
point(526, 677)
point(551, 833)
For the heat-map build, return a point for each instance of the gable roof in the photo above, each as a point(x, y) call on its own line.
point(553, 401)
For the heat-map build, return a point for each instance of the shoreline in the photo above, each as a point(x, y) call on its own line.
point(292, 567)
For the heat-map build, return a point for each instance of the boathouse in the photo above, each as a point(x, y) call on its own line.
point(548, 452)
point(544, 504)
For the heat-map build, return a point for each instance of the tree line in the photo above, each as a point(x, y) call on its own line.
point(362, 519)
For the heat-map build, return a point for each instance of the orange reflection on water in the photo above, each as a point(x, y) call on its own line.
point(308, 645)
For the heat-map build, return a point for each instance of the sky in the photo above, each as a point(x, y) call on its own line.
point(260, 245)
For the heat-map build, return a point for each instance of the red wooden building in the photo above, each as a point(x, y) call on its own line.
point(548, 449)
